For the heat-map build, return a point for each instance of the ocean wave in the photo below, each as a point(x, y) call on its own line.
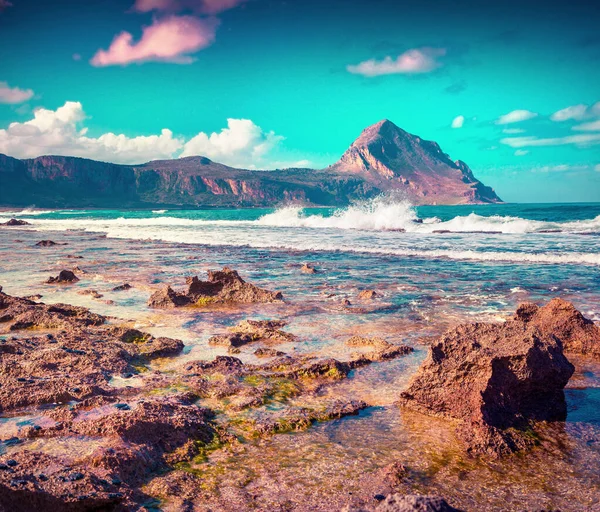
point(160, 211)
point(27, 212)
point(382, 214)
point(378, 214)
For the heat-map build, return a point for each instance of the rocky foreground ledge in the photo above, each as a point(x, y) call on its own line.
point(122, 439)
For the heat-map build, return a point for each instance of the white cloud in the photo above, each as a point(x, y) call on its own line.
point(516, 116)
point(417, 60)
point(458, 122)
point(61, 132)
point(57, 132)
point(13, 95)
point(521, 152)
point(597, 168)
point(572, 112)
point(576, 112)
point(587, 139)
point(588, 127)
point(513, 130)
point(241, 144)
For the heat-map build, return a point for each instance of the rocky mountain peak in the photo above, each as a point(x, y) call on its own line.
point(390, 157)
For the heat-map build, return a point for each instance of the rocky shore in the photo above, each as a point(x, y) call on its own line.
point(110, 417)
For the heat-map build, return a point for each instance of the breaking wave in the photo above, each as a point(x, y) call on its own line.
point(381, 214)
point(27, 212)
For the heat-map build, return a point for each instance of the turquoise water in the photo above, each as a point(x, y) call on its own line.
point(469, 259)
point(433, 267)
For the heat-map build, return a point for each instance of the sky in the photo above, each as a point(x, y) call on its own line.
point(512, 88)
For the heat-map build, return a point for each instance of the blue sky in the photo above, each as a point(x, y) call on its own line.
point(264, 84)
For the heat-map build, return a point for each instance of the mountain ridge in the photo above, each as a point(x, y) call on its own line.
point(383, 158)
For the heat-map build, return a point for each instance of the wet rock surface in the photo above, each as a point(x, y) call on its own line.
point(367, 294)
point(307, 268)
point(20, 313)
point(48, 243)
point(16, 222)
point(249, 331)
point(221, 287)
point(498, 380)
point(65, 276)
point(62, 382)
point(122, 287)
point(408, 503)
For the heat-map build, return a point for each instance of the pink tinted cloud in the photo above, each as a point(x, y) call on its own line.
point(14, 95)
point(200, 6)
point(169, 39)
point(417, 60)
point(4, 4)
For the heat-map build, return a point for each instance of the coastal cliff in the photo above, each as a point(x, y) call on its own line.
point(384, 158)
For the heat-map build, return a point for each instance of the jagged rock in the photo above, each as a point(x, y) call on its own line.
point(367, 294)
point(223, 286)
point(497, 379)
point(307, 268)
point(65, 276)
point(122, 287)
point(560, 318)
point(167, 298)
point(227, 286)
point(16, 222)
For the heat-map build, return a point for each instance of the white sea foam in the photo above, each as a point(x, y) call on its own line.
point(160, 211)
point(376, 215)
point(27, 212)
point(369, 227)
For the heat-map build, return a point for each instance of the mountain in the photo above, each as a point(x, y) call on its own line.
point(382, 159)
point(391, 159)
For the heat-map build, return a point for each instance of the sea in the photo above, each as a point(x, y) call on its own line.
point(432, 267)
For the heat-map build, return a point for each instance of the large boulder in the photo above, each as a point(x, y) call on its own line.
point(497, 379)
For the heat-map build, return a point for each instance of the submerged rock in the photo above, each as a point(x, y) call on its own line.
point(268, 352)
point(122, 287)
point(248, 331)
point(307, 268)
point(48, 243)
point(223, 286)
point(381, 349)
point(497, 379)
point(93, 293)
point(65, 276)
point(367, 294)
